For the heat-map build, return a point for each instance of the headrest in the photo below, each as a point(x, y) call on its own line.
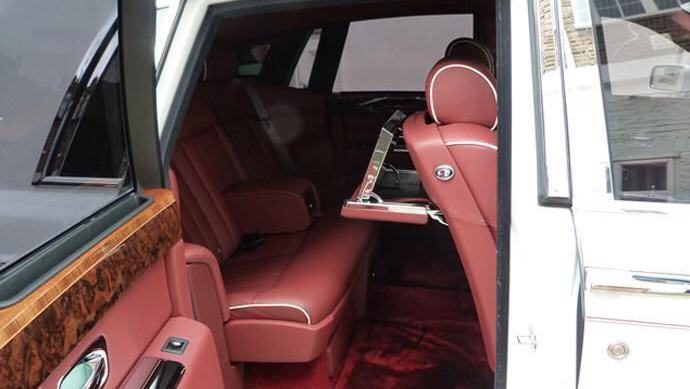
point(471, 50)
point(221, 64)
point(460, 91)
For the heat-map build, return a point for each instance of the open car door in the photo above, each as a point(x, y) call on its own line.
point(86, 224)
point(630, 197)
point(614, 273)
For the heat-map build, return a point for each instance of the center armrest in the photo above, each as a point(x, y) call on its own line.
point(273, 206)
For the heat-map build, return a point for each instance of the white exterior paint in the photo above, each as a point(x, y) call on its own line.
point(543, 268)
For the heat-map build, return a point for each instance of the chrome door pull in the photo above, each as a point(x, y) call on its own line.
point(90, 372)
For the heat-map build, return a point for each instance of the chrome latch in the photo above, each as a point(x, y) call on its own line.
point(529, 339)
point(437, 215)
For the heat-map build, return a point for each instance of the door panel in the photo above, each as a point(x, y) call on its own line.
point(127, 328)
point(37, 333)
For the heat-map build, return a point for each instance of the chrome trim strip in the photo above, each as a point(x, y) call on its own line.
point(637, 323)
point(272, 305)
point(472, 143)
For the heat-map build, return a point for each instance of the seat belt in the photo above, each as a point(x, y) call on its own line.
point(271, 132)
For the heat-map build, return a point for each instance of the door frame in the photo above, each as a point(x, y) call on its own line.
point(503, 57)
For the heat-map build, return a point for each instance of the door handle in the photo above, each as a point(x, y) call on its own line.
point(654, 285)
point(90, 372)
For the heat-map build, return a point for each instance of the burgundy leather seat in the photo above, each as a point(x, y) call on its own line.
point(299, 116)
point(453, 149)
point(289, 295)
point(471, 50)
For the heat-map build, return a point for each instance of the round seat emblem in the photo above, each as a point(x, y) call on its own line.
point(444, 172)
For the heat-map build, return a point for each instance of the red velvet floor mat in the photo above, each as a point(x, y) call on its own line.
point(417, 338)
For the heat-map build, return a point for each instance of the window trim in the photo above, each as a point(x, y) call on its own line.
point(168, 40)
point(78, 93)
point(557, 191)
point(29, 272)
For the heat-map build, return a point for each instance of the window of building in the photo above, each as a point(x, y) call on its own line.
point(647, 179)
point(621, 8)
point(581, 14)
point(302, 73)
point(396, 54)
point(251, 58)
point(667, 4)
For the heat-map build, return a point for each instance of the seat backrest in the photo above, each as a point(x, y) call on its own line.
point(300, 118)
point(206, 165)
point(453, 149)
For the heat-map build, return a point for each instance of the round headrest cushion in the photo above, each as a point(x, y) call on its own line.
point(471, 50)
point(459, 91)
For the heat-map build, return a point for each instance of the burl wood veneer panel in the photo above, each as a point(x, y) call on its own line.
point(39, 331)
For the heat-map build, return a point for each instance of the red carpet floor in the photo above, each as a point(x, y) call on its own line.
point(417, 338)
point(420, 331)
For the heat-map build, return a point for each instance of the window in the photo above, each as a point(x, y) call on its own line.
point(626, 8)
point(60, 111)
point(251, 58)
point(581, 14)
point(645, 179)
point(302, 73)
point(167, 14)
point(396, 54)
point(667, 4)
point(645, 72)
point(89, 147)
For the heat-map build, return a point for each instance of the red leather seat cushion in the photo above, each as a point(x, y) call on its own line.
point(297, 277)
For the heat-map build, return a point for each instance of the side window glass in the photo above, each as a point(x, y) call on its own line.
point(63, 153)
point(302, 73)
point(167, 14)
point(89, 148)
point(644, 65)
point(251, 58)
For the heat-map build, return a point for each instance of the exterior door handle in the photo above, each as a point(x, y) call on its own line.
point(655, 285)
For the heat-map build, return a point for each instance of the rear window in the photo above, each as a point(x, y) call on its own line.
point(644, 66)
point(396, 54)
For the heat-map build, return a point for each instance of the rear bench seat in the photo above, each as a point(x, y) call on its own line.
point(288, 296)
point(299, 116)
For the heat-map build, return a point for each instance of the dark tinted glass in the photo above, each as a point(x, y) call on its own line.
point(96, 146)
point(49, 52)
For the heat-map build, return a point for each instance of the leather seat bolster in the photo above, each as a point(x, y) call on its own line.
point(304, 285)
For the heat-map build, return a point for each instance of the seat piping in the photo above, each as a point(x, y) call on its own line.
point(273, 305)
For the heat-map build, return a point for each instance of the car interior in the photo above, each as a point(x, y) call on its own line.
point(340, 238)
point(320, 212)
